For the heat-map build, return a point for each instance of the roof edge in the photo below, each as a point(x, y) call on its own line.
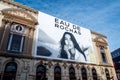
point(21, 6)
point(93, 32)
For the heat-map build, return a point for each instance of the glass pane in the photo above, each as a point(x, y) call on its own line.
point(72, 70)
point(57, 69)
point(103, 57)
point(16, 42)
point(40, 69)
point(11, 67)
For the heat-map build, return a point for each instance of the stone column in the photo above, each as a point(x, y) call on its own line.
point(5, 36)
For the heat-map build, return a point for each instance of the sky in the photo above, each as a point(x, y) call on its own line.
point(102, 16)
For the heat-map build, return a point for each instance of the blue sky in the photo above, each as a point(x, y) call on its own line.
point(102, 16)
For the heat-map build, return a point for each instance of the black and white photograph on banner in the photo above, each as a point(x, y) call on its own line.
point(59, 39)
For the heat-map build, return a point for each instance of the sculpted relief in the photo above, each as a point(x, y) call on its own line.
point(19, 13)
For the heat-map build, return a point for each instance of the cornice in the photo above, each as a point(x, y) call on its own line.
point(19, 16)
point(20, 20)
point(93, 32)
point(13, 55)
point(20, 6)
point(100, 41)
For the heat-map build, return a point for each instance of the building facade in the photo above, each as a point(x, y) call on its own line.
point(115, 56)
point(24, 52)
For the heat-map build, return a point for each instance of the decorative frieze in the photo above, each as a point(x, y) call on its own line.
point(19, 16)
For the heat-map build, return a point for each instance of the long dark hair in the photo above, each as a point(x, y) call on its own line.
point(63, 53)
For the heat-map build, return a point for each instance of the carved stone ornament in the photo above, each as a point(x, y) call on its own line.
point(19, 16)
point(50, 64)
point(77, 66)
point(100, 41)
point(26, 66)
point(64, 65)
point(20, 13)
point(88, 67)
point(18, 28)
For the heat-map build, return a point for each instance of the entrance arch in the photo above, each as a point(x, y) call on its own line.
point(10, 71)
point(94, 74)
point(84, 73)
point(41, 72)
point(107, 74)
point(72, 73)
point(57, 73)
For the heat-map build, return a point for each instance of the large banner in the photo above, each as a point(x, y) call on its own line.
point(59, 39)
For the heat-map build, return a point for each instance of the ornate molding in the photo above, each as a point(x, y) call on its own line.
point(26, 65)
point(100, 42)
point(93, 32)
point(18, 12)
point(20, 6)
point(57, 64)
point(77, 66)
point(19, 16)
point(65, 65)
point(50, 64)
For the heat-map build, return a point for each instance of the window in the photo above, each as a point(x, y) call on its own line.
point(102, 48)
point(41, 72)
point(103, 55)
point(10, 71)
point(72, 73)
point(84, 74)
point(57, 73)
point(94, 74)
point(16, 38)
point(107, 74)
point(15, 43)
point(113, 55)
point(118, 53)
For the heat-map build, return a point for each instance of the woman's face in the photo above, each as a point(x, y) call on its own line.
point(68, 41)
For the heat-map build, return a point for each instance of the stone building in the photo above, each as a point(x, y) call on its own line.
point(18, 61)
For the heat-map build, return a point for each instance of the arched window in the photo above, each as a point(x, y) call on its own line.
point(41, 72)
point(107, 74)
point(10, 71)
point(72, 73)
point(57, 73)
point(84, 74)
point(94, 74)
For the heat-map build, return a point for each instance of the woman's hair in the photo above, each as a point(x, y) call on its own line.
point(63, 53)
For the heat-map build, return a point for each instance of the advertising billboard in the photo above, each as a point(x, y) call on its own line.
point(59, 39)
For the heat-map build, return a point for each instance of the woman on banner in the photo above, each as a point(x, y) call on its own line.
point(69, 47)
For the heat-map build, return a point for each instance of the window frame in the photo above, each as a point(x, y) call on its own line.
point(102, 53)
point(16, 33)
point(11, 38)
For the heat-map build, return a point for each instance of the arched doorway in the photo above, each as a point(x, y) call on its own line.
point(57, 73)
point(72, 73)
point(94, 74)
point(84, 73)
point(41, 72)
point(10, 71)
point(107, 74)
